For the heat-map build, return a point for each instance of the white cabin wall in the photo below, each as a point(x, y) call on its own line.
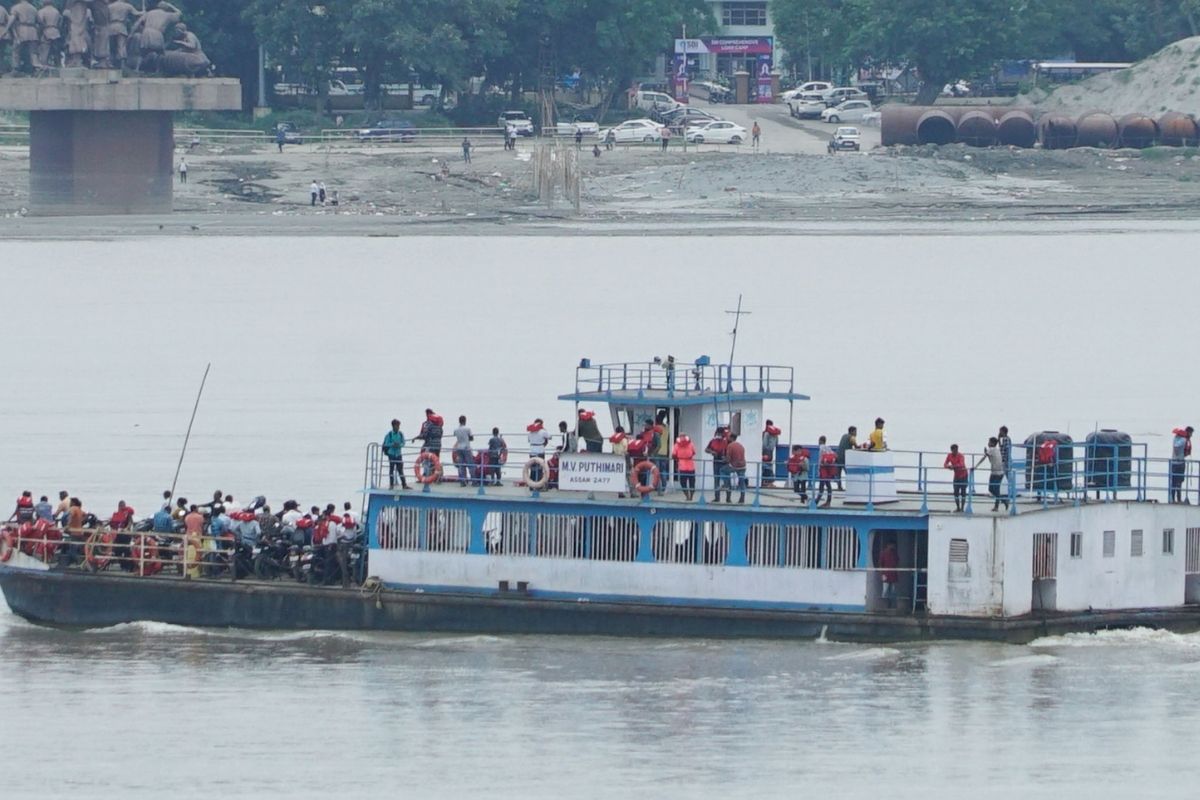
point(972, 589)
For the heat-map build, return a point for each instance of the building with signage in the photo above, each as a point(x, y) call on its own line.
point(744, 34)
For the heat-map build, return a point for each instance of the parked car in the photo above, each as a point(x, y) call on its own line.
point(816, 87)
point(687, 117)
point(518, 122)
point(845, 138)
point(291, 133)
point(840, 95)
point(807, 106)
point(388, 130)
point(634, 130)
point(584, 123)
point(849, 111)
point(655, 101)
point(719, 132)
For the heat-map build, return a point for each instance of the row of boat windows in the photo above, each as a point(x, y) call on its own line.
point(605, 538)
point(1045, 548)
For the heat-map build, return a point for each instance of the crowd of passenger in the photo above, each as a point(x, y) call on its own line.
point(220, 535)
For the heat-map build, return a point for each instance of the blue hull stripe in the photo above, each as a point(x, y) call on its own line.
point(689, 602)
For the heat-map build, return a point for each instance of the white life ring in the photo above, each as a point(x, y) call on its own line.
point(542, 482)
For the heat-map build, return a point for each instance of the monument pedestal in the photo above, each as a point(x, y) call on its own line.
point(101, 144)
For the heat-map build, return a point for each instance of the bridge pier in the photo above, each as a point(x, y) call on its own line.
point(103, 144)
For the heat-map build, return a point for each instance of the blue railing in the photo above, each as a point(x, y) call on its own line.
point(684, 380)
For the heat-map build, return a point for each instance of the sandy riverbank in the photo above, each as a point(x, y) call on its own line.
point(394, 189)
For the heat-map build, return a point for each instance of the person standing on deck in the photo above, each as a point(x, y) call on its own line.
point(877, 442)
point(770, 441)
point(684, 453)
point(797, 467)
point(393, 448)
point(183, 170)
point(889, 561)
point(1005, 444)
point(497, 454)
point(570, 438)
point(620, 447)
point(538, 439)
point(43, 510)
point(849, 441)
point(63, 507)
point(431, 437)
point(735, 459)
point(716, 448)
point(995, 459)
point(589, 431)
point(1181, 448)
point(25, 510)
point(661, 454)
point(827, 471)
point(193, 527)
point(462, 450)
point(958, 466)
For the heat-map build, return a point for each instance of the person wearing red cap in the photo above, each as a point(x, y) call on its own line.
point(538, 439)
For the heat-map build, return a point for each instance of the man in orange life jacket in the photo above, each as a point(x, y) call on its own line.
point(1181, 448)
point(1044, 459)
point(24, 510)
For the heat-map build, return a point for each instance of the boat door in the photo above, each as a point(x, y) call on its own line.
point(1191, 568)
point(911, 559)
point(1045, 572)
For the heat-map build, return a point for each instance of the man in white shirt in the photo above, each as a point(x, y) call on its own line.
point(995, 458)
point(538, 438)
point(462, 450)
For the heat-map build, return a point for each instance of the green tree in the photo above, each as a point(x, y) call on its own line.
point(228, 40)
point(304, 37)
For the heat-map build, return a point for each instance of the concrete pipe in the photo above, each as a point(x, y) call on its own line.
point(898, 124)
point(1137, 131)
point(1016, 129)
point(935, 127)
point(1057, 132)
point(1178, 130)
point(977, 129)
point(1097, 129)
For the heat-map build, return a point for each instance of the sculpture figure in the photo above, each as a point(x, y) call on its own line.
point(121, 15)
point(3, 29)
point(49, 20)
point(22, 25)
point(77, 15)
point(100, 34)
point(149, 33)
point(185, 56)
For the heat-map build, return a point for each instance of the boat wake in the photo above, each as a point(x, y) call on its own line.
point(870, 654)
point(1128, 637)
point(1037, 660)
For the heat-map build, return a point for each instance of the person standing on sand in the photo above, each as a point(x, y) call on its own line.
point(312, 191)
point(321, 192)
point(183, 169)
point(666, 138)
point(279, 138)
point(755, 133)
point(466, 148)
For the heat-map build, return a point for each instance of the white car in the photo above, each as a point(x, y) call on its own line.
point(849, 111)
point(840, 95)
point(815, 87)
point(516, 121)
point(807, 106)
point(633, 130)
point(845, 138)
point(656, 101)
point(719, 132)
point(582, 123)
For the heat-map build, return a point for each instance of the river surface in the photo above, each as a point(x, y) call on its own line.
point(316, 343)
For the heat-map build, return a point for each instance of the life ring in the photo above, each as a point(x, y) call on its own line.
point(435, 474)
point(8, 544)
point(527, 472)
point(99, 548)
point(655, 477)
point(143, 551)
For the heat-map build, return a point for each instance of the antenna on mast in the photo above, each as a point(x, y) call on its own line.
point(737, 318)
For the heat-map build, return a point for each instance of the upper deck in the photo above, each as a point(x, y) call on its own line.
point(668, 382)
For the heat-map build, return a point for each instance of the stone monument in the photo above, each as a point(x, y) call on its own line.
point(102, 139)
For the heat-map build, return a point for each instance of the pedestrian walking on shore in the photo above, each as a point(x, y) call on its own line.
point(755, 133)
point(466, 148)
point(313, 190)
point(183, 169)
point(321, 192)
point(666, 138)
point(578, 138)
point(610, 139)
point(280, 138)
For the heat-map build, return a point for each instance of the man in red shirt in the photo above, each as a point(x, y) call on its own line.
point(889, 560)
point(958, 465)
point(735, 461)
point(121, 517)
point(716, 448)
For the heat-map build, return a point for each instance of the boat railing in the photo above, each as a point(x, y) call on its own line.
point(916, 480)
point(683, 380)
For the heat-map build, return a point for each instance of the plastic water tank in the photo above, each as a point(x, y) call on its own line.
point(1056, 477)
point(1108, 458)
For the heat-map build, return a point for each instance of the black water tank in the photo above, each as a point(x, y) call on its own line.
point(1108, 458)
point(1058, 475)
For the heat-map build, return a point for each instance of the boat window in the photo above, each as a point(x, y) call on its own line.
point(843, 547)
point(397, 528)
point(1168, 541)
point(673, 542)
point(802, 546)
point(559, 536)
point(958, 551)
point(507, 533)
point(1045, 555)
point(1135, 544)
point(1110, 544)
point(762, 546)
point(1077, 545)
point(613, 538)
point(1191, 553)
point(447, 530)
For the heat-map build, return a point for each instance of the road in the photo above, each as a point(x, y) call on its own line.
point(783, 134)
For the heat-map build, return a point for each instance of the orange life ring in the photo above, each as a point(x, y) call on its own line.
point(8, 544)
point(435, 474)
point(143, 551)
point(655, 477)
point(102, 542)
point(527, 472)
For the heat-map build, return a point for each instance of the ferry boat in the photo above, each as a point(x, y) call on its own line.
point(1086, 543)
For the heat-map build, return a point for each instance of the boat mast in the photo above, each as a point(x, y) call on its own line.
point(737, 318)
point(188, 435)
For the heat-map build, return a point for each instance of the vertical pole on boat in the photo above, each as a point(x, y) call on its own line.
point(188, 435)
